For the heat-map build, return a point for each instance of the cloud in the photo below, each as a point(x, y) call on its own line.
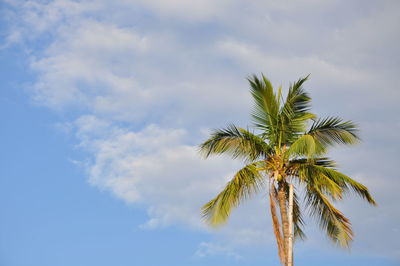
point(77, 69)
point(188, 10)
point(28, 20)
point(206, 249)
point(126, 75)
point(153, 167)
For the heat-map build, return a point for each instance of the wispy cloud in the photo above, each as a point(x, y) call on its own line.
point(207, 249)
point(152, 166)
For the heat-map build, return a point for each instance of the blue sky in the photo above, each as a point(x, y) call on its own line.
point(103, 104)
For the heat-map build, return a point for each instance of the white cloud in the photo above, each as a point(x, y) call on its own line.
point(324, 71)
point(125, 75)
point(206, 249)
point(78, 68)
point(191, 10)
point(153, 167)
point(30, 19)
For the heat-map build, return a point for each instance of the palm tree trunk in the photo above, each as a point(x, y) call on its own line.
point(290, 240)
point(284, 219)
point(276, 226)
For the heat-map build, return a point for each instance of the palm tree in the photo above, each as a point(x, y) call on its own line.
point(290, 149)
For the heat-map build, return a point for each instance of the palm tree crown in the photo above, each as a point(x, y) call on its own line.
point(291, 148)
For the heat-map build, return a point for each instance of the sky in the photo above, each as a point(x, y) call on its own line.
point(103, 105)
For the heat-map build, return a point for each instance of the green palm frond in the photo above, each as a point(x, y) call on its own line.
point(297, 99)
point(246, 182)
point(321, 181)
point(320, 161)
point(298, 221)
point(346, 182)
point(332, 130)
point(294, 113)
point(322, 172)
point(307, 173)
point(322, 134)
point(237, 142)
point(336, 225)
point(306, 145)
point(266, 107)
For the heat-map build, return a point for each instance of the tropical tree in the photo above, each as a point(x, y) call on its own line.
point(289, 148)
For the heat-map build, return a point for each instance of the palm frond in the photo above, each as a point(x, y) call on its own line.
point(332, 130)
point(321, 181)
point(322, 172)
point(246, 181)
point(308, 174)
point(306, 145)
point(336, 225)
point(266, 105)
point(297, 99)
point(323, 134)
point(237, 142)
point(294, 113)
point(320, 161)
point(346, 182)
point(298, 221)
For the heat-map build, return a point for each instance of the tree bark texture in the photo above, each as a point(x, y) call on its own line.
point(284, 218)
point(290, 219)
point(276, 225)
